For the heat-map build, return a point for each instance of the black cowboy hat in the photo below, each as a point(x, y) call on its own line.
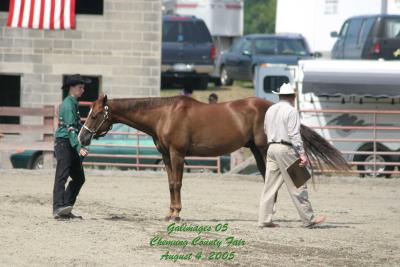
point(73, 80)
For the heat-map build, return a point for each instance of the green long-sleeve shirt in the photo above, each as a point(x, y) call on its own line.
point(69, 123)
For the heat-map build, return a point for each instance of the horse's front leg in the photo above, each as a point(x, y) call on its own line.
point(177, 164)
point(167, 163)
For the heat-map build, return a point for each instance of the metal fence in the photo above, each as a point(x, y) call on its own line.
point(378, 150)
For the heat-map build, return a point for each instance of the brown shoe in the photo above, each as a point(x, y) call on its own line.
point(317, 221)
point(269, 225)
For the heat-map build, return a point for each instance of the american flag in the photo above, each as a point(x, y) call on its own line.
point(42, 14)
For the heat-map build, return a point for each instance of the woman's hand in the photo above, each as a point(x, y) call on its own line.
point(83, 152)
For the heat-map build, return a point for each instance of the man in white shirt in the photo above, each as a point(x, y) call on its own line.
point(282, 127)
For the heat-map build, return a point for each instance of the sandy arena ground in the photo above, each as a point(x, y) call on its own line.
point(123, 211)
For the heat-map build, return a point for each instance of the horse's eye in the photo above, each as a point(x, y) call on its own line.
point(93, 117)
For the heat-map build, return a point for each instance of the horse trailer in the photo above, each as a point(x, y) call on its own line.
point(355, 104)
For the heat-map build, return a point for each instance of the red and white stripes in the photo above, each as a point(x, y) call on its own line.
point(42, 14)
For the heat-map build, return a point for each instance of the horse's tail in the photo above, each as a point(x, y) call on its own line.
point(321, 151)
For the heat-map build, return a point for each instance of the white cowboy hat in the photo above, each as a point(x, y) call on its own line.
point(285, 89)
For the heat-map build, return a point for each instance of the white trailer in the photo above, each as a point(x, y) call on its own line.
point(365, 95)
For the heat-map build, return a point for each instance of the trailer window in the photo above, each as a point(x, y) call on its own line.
point(91, 93)
point(273, 83)
point(10, 95)
point(392, 28)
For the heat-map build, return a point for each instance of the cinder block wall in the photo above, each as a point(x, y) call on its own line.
point(123, 46)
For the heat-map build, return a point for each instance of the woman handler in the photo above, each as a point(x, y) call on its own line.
point(68, 151)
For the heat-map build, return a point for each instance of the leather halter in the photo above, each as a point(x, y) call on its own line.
point(105, 118)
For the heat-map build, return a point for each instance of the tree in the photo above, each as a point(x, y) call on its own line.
point(259, 16)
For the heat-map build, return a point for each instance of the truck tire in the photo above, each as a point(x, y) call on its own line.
point(224, 78)
point(216, 81)
point(370, 159)
point(37, 162)
point(202, 83)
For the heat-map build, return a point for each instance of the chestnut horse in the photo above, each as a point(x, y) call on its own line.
point(181, 126)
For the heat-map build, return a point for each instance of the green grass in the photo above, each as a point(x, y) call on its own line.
point(239, 90)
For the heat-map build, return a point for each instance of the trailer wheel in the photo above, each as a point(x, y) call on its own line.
point(370, 159)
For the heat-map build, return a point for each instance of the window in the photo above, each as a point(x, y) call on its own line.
point(186, 32)
point(90, 7)
point(247, 46)
point(91, 93)
point(237, 45)
point(10, 95)
point(4, 5)
point(365, 30)
point(343, 30)
point(273, 83)
point(392, 28)
point(353, 31)
point(273, 46)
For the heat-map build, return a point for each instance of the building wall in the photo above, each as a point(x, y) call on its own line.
point(315, 19)
point(123, 46)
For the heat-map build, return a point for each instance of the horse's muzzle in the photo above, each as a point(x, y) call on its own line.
point(84, 137)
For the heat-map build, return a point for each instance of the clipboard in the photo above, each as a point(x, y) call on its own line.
point(299, 175)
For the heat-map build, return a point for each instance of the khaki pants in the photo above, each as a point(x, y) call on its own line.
point(279, 157)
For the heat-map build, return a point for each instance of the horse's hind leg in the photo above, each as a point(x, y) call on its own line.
point(259, 155)
point(177, 163)
point(168, 167)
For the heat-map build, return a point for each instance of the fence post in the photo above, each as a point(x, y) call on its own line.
point(48, 120)
point(375, 115)
point(219, 165)
point(137, 150)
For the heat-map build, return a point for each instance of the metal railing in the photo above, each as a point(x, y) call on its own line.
point(44, 129)
point(377, 150)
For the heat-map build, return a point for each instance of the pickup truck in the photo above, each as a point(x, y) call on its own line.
point(188, 53)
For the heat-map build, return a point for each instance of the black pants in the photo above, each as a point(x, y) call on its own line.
point(69, 164)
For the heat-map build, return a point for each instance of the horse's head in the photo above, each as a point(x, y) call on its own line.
point(98, 122)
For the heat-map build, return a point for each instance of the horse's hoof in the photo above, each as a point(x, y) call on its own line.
point(175, 219)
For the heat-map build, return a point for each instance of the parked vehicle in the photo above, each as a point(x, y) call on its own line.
point(368, 37)
point(121, 147)
point(251, 50)
point(345, 85)
point(188, 53)
point(224, 19)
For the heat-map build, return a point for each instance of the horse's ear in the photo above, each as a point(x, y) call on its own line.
point(104, 100)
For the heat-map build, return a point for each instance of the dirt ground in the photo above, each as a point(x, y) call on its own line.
point(123, 212)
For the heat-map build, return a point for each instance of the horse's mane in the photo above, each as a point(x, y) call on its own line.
point(149, 102)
